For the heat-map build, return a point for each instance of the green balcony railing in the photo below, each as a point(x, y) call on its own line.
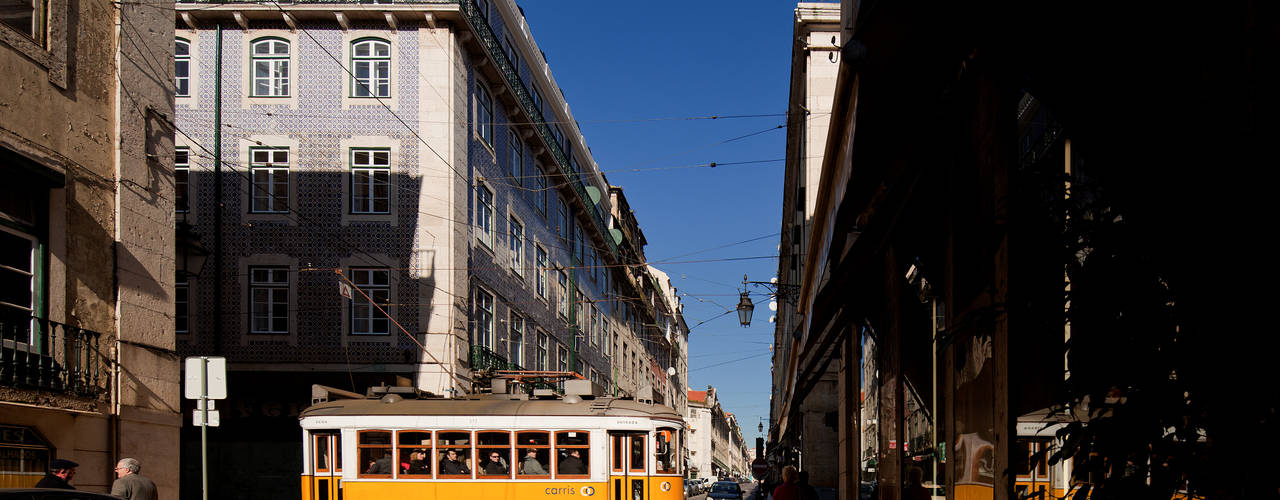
point(480, 24)
point(484, 359)
point(41, 354)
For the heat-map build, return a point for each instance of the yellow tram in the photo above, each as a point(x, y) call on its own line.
point(499, 446)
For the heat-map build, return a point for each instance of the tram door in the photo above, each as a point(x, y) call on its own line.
point(629, 473)
point(326, 463)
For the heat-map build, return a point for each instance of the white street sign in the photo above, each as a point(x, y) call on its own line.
point(197, 421)
point(214, 370)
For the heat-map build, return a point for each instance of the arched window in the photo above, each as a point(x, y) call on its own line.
point(182, 67)
point(371, 68)
point(270, 67)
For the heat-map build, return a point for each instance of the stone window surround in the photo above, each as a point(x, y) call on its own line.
point(369, 142)
point(53, 54)
point(192, 37)
point(248, 38)
point(349, 38)
point(371, 261)
point(270, 141)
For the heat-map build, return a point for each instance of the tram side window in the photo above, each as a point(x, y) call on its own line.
point(535, 454)
point(663, 446)
point(453, 450)
point(415, 454)
point(573, 454)
point(375, 453)
point(495, 454)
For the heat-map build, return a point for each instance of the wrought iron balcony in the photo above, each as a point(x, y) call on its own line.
point(41, 354)
point(485, 360)
point(480, 24)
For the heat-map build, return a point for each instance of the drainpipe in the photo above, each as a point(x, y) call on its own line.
point(217, 192)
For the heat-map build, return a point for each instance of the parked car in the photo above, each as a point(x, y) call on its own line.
point(51, 494)
point(725, 489)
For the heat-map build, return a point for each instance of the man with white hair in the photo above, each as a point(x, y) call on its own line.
point(131, 485)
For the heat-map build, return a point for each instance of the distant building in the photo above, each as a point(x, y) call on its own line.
point(425, 151)
point(88, 370)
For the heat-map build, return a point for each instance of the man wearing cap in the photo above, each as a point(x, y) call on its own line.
point(59, 476)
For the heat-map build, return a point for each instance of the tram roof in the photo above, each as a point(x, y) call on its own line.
point(599, 407)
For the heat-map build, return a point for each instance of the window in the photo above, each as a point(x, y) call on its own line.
point(26, 17)
point(181, 322)
point(591, 264)
point(484, 215)
point(516, 240)
point(370, 181)
point(537, 98)
point(269, 291)
point(515, 339)
point(562, 297)
point(573, 454)
point(541, 364)
point(484, 114)
point(562, 358)
point(415, 454)
point(637, 453)
point(454, 454)
point(578, 245)
point(182, 180)
point(23, 204)
point(371, 68)
point(513, 55)
point(595, 326)
point(563, 221)
point(587, 327)
point(270, 169)
point(535, 454)
point(495, 454)
point(664, 450)
point(540, 271)
point(540, 190)
point(270, 60)
point(374, 451)
point(25, 455)
point(578, 307)
point(365, 318)
point(484, 319)
point(516, 163)
point(182, 68)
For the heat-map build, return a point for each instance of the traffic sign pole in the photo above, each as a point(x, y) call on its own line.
point(204, 428)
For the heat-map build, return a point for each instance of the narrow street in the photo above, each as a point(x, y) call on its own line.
point(748, 492)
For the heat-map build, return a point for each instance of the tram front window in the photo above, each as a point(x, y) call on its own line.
point(535, 454)
point(664, 443)
point(573, 454)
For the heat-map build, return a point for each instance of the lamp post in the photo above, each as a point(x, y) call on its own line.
point(745, 307)
point(789, 293)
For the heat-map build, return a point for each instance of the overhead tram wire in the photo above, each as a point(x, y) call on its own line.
point(730, 361)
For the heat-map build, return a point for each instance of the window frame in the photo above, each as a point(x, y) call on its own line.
point(401, 447)
point(484, 114)
point(371, 169)
point(271, 184)
point(376, 81)
point(276, 61)
point(486, 339)
point(443, 449)
point(484, 450)
point(515, 329)
point(515, 158)
point(182, 180)
point(181, 79)
point(484, 214)
point(520, 448)
point(542, 362)
point(540, 263)
point(370, 289)
point(362, 472)
point(562, 295)
point(273, 287)
point(181, 304)
point(586, 460)
point(515, 239)
point(540, 193)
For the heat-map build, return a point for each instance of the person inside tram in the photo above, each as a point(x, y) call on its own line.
point(572, 463)
point(451, 465)
point(418, 463)
point(496, 466)
point(531, 466)
point(380, 466)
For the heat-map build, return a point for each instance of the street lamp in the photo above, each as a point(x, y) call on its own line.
point(744, 309)
point(191, 254)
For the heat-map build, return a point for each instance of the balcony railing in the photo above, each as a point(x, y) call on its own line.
point(39, 353)
point(485, 34)
point(484, 359)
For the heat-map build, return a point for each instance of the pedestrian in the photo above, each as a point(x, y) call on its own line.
point(788, 489)
point(59, 476)
point(805, 489)
point(131, 485)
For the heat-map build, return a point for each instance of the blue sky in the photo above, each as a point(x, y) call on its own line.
point(632, 73)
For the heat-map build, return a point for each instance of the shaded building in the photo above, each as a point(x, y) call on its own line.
point(88, 370)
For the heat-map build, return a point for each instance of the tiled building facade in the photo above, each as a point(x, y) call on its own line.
point(424, 151)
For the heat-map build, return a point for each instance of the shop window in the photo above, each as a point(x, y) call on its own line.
point(24, 456)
